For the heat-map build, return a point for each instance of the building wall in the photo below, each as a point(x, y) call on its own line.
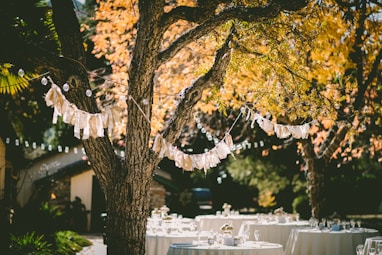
point(44, 168)
point(81, 185)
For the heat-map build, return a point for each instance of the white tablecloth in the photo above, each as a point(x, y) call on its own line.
point(250, 248)
point(158, 244)
point(273, 232)
point(213, 222)
point(325, 242)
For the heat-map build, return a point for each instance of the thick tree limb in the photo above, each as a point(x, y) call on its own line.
point(193, 94)
point(203, 15)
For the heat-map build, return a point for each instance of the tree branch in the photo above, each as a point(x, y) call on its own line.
point(335, 143)
point(194, 93)
point(106, 165)
point(256, 14)
point(372, 75)
point(345, 4)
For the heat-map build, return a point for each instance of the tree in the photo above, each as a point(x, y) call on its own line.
point(280, 71)
point(355, 85)
point(126, 181)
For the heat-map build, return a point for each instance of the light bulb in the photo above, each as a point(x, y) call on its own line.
point(21, 72)
point(65, 87)
point(88, 93)
point(44, 81)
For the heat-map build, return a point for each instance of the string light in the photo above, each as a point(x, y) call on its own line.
point(236, 147)
point(65, 87)
point(88, 93)
point(49, 147)
point(21, 72)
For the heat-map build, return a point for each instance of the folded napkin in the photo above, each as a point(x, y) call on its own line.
point(188, 244)
point(335, 227)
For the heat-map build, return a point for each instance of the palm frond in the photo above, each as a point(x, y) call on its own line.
point(11, 83)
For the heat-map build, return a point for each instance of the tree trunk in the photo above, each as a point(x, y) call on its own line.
point(315, 168)
point(126, 225)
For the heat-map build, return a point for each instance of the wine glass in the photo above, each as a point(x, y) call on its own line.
point(323, 220)
point(359, 249)
point(256, 233)
point(246, 235)
point(371, 251)
point(352, 223)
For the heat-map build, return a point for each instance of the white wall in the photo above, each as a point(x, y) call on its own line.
point(43, 168)
point(81, 185)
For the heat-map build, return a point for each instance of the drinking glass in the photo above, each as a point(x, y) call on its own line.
point(256, 234)
point(352, 223)
point(297, 215)
point(199, 237)
point(245, 233)
point(371, 251)
point(359, 249)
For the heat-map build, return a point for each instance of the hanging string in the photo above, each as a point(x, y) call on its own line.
point(139, 108)
point(234, 123)
point(250, 111)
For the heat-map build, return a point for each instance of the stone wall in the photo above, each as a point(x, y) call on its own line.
point(157, 195)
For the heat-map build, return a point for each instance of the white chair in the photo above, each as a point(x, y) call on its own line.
point(372, 242)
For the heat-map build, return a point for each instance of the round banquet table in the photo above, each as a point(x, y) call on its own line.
point(273, 231)
point(325, 242)
point(158, 244)
point(249, 248)
point(214, 222)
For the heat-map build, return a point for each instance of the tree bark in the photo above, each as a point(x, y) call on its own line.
point(315, 168)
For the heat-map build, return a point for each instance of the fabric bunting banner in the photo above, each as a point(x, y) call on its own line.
point(188, 162)
point(92, 124)
point(281, 131)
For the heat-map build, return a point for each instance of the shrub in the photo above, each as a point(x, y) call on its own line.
point(30, 243)
point(301, 205)
point(69, 242)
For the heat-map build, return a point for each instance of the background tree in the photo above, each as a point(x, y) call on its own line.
point(319, 70)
